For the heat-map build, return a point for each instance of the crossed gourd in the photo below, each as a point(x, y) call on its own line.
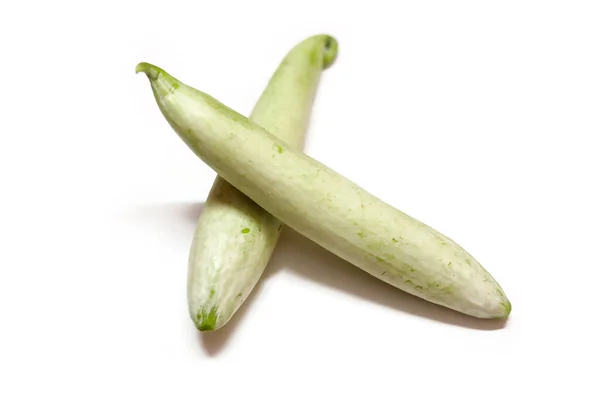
point(265, 181)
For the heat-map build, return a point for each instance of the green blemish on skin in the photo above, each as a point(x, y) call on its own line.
point(408, 267)
point(279, 148)
point(362, 235)
point(383, 273)
point(212, 293)
point(443, 243)
point(206, 321)
point(419, 287)
point(437, 285)
point(409, 282)
point(394, 240)
point(239, 295)
point(245, 230)
point(449, 263)
point(379, 259)
point(468, 261)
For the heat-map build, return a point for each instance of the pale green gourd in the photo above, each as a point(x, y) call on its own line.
point(326, 207)
point(234, 237)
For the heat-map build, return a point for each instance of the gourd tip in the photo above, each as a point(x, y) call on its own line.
point(206, 320)
point(330, 51)
point(507, 308)
point(150, 70)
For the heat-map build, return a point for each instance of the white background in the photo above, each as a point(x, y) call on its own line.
point(479, 118)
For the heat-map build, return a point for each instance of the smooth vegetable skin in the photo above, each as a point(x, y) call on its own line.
point(325, 206)
point(234, 237)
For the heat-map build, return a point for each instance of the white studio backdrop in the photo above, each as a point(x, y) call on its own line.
point(479, 118)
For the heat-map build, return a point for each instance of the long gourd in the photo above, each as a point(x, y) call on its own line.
point(325, 206)
point(234, 238)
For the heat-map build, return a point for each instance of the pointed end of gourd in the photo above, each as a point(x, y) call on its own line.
point(151, 71)
point(500, 308)
point(504, 307)
point(507, 308)
point(162, 83)
point(321, 50)
point(480, 298)
point(330, 51)
point(206, 321)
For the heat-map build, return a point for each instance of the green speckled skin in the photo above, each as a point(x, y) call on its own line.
point(326, 207)
point(234, 238)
